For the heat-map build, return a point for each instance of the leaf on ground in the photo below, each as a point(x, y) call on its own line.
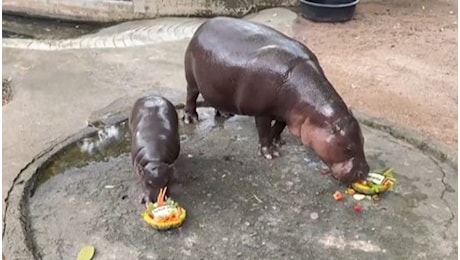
point(86, 253)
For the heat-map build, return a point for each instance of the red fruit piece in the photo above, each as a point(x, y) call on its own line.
point(357, 208)
point(337, 195)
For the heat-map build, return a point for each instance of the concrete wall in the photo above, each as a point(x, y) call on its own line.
point(113, 10)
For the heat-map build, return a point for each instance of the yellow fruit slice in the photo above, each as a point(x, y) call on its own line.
point(86, 253)
point(383, 181)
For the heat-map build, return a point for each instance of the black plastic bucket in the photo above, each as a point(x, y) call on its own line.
point(328, 10)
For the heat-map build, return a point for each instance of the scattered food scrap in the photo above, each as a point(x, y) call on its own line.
point(337, 195)
point(357, 208)
point(350, 191)
point(86, 253)
point(358, 196)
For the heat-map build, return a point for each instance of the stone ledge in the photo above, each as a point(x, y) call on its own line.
point(116, 11)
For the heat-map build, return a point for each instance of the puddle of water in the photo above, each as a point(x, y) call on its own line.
point(99, 147)
point(113, 141)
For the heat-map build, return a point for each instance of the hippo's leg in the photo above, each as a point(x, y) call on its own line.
point(191, 115)
point(264, 130)
point(223, 115)
point(144, 198)
point(277, 129)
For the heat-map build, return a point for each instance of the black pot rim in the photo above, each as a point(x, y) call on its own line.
point(329, 5)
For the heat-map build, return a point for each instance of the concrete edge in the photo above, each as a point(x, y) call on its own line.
point(16, 210)
point(15, 217)
point(121, 11)
point(425, 144)
point(24, 184)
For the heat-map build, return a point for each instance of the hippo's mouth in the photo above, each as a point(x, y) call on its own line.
point(343, 171)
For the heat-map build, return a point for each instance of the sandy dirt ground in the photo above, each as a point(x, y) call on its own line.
point(396, 59)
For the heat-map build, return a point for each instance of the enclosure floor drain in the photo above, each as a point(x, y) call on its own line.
point(7, 91)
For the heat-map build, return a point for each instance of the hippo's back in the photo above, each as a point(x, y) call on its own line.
point(154, 126)
point(232, 60)
point(238, 39)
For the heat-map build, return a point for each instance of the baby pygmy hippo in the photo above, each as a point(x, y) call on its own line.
point(155, 143)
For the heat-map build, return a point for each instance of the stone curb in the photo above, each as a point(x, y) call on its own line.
point(15, 218)
point(149, 33)
point(118, 11)
point(440, 151)
point(159, 32)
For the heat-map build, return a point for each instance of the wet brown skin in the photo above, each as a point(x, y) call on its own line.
point(245, 68)
point(155, 145)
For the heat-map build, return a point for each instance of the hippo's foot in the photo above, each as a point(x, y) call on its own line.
point(223, 115)
point(325, 170)
point(268, 152)
point(276, 131)
point(279, 142)
point(144, 199)
point(190, 117)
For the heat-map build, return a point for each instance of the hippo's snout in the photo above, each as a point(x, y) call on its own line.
point(350, 171)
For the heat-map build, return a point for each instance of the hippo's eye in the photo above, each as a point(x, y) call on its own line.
point(149, 182)
point(348, 149)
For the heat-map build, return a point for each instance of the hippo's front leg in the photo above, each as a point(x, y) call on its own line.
point(277, 129)
point(264, 130)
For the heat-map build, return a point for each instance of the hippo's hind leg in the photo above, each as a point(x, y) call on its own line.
point(277, 129)
point(223, 115)
point(264, 130)
point(190, 114)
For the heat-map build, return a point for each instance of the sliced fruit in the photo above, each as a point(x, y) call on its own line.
point(359, 196)
point(357, 208)
point(337, 195)
point(86, 253)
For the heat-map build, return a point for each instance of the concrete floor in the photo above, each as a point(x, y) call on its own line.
point(240, 206)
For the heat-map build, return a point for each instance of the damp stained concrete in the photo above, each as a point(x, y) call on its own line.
point(241, 206)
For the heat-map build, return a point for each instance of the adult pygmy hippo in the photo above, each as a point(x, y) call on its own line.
point(242, 67)
point(155, 144)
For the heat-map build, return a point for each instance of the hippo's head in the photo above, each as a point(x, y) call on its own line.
point(155, 177)
point(341, 146)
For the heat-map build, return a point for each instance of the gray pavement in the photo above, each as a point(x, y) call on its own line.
point(240, 206)
point(57, 91)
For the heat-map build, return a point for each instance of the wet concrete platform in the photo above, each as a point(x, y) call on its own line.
point(240, 206)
